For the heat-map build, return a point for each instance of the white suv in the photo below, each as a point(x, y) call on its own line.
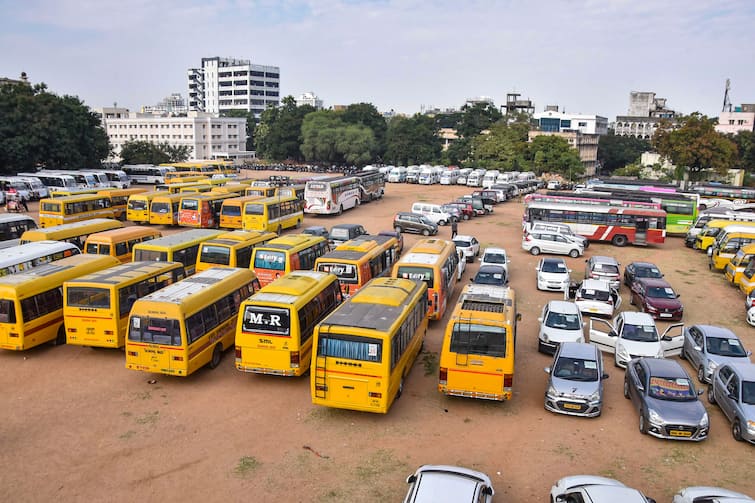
point(495, 256)
point(537, 242)
point(559, 228)
point(434, 212)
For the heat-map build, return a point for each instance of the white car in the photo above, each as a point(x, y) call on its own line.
point(552, 274)
point(538, 242)
point(467, 245)
point(594, 489)
point(633, 335)
point(705, 494)
point(448, 484)
point(495, 256)
point(596, 296)
point(560, 322)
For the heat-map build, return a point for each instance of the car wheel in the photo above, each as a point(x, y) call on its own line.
point(574, 253)
point(701, 374)
point(397, 229)
point(631, 300)
point(535, 250)
point(626, 389)
point(441, 222)
point(619, 240)
point(736, 430)
point(425, 232)
point(711, 395)
point(465, 217)
point(683, 354)
point(217, 355)
point(643, 424)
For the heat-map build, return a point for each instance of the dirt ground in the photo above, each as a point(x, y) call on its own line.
point(75, 425)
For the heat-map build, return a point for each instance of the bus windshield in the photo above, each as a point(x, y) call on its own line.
point(155, 330)
point(255, 209)
point(150, 255)
point(270, 260)
point(473, 338)
point(82, 296)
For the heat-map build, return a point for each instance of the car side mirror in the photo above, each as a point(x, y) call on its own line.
point(540, 319)
point(666, 338)
point(612, 333)
point(547, 370)
point(641, 388)
point(604, 376)
point(749, 353)
point(678, 295)
point(487, 491)
point(696, 348)
point(699, 392)
point(569, 271)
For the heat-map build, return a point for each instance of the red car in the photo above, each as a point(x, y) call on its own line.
point(656, 297)
point(466, 209)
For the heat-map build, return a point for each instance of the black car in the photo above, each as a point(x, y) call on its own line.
point(491, 275)
point(635, 270)
point(340, 233)
point(412, 222)
point(316, 230)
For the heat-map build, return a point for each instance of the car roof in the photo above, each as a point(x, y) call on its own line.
point(596, 284)
point(345, 226)
point(614, 494)
point(637, 318)
point(563, 306)
point(603, 258)
point(580, 350)
point(659, 282)
point(494, 250)
point(665, 367)
point(745, 370)
point(714, 331)
point(643, 264)
point(466, 237)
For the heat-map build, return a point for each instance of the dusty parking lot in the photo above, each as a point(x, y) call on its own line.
point(75, 425)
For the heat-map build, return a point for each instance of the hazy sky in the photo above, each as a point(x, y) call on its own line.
point(583, 55)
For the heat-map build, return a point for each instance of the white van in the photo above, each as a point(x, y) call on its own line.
point(449, 177)
point(428, 176)
point(432, 212)
point(397, 174)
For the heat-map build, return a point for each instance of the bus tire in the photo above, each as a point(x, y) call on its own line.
point(619, 240)
point(217, 355)
point(340, 209)
point(298, 224)
point(400, 389)
point(60, 339)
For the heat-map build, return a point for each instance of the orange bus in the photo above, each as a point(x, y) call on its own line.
point(436, 262)
point(201, 210)
point(285, 254)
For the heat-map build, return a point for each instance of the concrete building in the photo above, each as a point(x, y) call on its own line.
point(224, 84)
point(516, 105)
point(309, 98)
point(551, 120)
point(741, 119)
point(644, 114)
point(207, 135)
point(585, 144)
point(174, 104)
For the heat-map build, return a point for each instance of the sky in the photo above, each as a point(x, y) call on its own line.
point(585, 56)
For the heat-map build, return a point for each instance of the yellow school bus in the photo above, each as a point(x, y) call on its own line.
point(164, 209)
point(137, 208)
point(357, 261)
point(285, 254)
point(175, 188)
point(436, 262)
point(231, 211)
point(119, 199)
point(64, 210)
point(230, 188)
point(260, 191)
point(364, 350)
point(230, 249)
point(96, 306)
point(31, 303)
point(734, 269)
point(75, 233)
point(184, 177)
point(182, 247)
point(188, 324)
point(275, 325)
point(273, 214)
point(119, 243)
point(477, 354)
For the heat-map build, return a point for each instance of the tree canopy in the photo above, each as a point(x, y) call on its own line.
point(412, 140)
point(144, 152)
point(616, 152)
point(278, 134)
point(41, 129)
point(328, 138)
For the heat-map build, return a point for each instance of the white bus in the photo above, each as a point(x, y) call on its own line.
point(24, 257)
point(117, 178)
point(37, 188)
point(332, 195)
point(147, 173)
point(52, 181)
point(84, 180)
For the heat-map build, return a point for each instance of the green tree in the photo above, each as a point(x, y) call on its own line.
point(695, 146)
point(39, 128)
point(365, 114)
point(745, 142)
point(553, 154)
point(618, 151)
point(412, 140)
point(278, 134)
point(471, 121)
point(144, 152)
point(504, 147)
point(327, 138)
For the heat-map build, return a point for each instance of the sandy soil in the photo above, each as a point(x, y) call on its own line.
point(75, 425)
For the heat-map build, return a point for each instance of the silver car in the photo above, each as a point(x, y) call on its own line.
point(706, 347)
point(560, 322)
point(448, 484)
point(594, 489)
point(733, 389)
point(575, 386)
point(667, 402)
point(709, 494)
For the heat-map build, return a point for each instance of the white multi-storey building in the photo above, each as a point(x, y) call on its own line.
point(224, 84)
point(309, 98)
point(207, 135)
point(645, 114)
point(553, 121)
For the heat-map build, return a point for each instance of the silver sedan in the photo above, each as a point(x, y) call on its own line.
point(707, 347)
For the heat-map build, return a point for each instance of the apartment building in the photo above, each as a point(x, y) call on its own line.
point(742, 118)
point(644, 115)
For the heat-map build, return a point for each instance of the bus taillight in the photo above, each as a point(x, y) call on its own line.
point(178, 358)
point(443, 375)
point(238, 352)
point(508, 380)
point(133, 353)
point(294, 358)
point(375, 394)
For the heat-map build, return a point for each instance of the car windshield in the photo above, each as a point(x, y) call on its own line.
point(563, 321)
point(494, 258)
point(748, 392)
point(660, 292)
point(576, 369)
point(462, 243)
point(591, 294)
point(606, 269)
point(552, 266)
point(425, 220)
point(640, 333)
point(725, 347)
point(648, 272)
point(676, 389)
point(490, 278)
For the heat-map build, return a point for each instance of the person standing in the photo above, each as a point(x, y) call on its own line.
point(454, 228)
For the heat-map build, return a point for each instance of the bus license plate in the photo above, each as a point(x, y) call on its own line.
point(571, 406)
point(678, 433)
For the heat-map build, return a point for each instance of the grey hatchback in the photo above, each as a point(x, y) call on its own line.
point(412, 222)
point(706, 347)
point(575, 386)
point(733, 389)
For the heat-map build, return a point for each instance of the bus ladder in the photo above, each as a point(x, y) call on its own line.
point(462, 359)
point(321, 381)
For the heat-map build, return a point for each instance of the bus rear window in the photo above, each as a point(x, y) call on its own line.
point(137, 205)
point(7, 311)
point(154, 330)
point(417, 274)
point(82, 296)
point(150, 255)
point(347, 273)
point(267, 320)
point(316, 186)
point(189, 204)
point(274, 260)
point(352, 348)
point(212, 254)
point(254, 209)
point(475, 339)
point(231, 210)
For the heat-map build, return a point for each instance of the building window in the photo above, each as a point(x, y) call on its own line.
point(582, 124)
point(740, 122)
point(272, 75)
